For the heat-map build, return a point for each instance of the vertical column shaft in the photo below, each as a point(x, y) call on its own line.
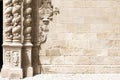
point(27, 45)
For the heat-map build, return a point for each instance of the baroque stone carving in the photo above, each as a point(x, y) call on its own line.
point(15, 58)
point(46, 12)
point(18, 28)
point(16, 11)
point(27, 20)
point(8, 20)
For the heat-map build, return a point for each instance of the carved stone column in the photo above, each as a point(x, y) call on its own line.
point(27, 45)
point(12, 39)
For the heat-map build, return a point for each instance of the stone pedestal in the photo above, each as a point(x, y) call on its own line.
point(12, 61)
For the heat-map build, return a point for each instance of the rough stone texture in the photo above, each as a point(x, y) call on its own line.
point(83, 38)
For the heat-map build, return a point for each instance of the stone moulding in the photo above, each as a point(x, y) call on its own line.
point(17, 29)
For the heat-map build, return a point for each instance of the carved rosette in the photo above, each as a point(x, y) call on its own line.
point(8, 20)
point(27, 20)
point(46, 12)
point(16, 11)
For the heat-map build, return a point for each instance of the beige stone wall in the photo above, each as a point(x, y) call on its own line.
point(83, 38)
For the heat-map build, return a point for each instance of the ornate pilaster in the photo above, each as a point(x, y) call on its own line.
point(12, 42)
point(27, 45)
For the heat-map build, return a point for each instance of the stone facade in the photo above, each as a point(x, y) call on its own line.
point(82, 38)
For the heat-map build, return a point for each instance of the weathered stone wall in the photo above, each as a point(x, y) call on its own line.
point(83, 38)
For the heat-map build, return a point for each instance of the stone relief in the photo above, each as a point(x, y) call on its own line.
point(46, 12)
point(15, 58)
point(16, 30)
point(27, 20)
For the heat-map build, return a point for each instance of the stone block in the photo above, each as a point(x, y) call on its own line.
point(113, 52)
point(101, 4)
point(53, 52)
point(67, 69)
point(104, 60)
point(79, 60)
point(44, 60)
point(78, 44)
point(96, 60)
point(98, 44)
point(106, 36)
point(107, 69)
point(91, 52)
point(113, 44)
point(57, 60)
point(72, 52)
